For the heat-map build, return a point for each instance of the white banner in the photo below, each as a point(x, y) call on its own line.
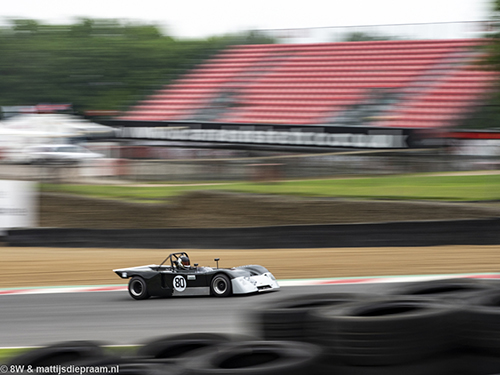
point(18, 204)
point(387, 138)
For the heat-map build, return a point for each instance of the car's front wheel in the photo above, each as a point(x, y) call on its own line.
point(137, 288)
point(221, 286)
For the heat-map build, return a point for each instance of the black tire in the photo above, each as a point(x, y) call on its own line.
point(220, 286)
point(133, 366)
point(287, 319)
point(61, 353)
point(480, 325)
point(175, 346)
point(450, 289)
point(137, 288)
point(387, 331)
point(442, 365)
point(147, 369)
point(477, 364)
point(256, 358)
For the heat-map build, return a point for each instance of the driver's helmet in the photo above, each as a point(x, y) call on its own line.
point(183, 262)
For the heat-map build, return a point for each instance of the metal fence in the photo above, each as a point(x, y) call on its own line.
point(262, 167)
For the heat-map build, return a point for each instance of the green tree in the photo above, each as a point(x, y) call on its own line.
point(359, 36)
point(95, 64)
point(487, 114)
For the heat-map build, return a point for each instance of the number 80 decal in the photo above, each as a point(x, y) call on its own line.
point(179, 283)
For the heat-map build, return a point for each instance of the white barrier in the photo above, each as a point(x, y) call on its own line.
point(18, 204)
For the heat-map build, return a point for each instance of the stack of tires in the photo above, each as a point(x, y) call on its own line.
point(287, 319)
point(190, 354)
point(398, 335)
point(206, 353)
point(438, 327)
point(479, 334)
point(85, 357)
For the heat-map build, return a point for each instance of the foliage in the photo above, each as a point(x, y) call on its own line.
point(362, 36)
point(95, 64)
point(487, 116)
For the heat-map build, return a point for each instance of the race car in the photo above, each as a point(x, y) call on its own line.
point(176, 277)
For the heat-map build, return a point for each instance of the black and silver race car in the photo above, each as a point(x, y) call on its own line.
point(176, 277)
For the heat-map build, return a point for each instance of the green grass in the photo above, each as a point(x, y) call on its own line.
point(7, 354)
point(130, 193)
point(413, 187)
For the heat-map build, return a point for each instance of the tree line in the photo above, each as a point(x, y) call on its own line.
point(96, 64)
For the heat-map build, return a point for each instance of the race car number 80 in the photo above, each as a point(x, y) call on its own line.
point(179, 283)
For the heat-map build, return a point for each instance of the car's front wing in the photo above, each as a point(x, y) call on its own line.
point(251, 284)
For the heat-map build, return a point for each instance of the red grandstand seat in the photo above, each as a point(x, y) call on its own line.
point(301, 83)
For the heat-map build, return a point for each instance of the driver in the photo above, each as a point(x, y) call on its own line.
point(183, 263)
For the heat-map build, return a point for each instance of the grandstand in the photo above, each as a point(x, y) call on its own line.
point(391, 84)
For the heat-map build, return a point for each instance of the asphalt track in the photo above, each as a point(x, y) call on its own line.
point(113, 318)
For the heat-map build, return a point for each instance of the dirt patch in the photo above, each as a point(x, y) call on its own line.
point(212, 209)
point(25, 267)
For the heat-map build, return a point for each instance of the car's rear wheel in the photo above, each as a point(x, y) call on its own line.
point(137, 288)
point(221, 286)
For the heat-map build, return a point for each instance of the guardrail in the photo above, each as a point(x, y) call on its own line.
point(416, 233)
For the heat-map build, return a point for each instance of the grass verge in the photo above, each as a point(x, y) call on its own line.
point(415, 187)
point(7, 354)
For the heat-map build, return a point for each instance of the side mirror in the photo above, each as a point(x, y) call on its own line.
point(217, 260)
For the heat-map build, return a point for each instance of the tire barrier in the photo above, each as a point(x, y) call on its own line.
point(441, 365)
point(480, 328)
point(129, 365)
point(458, 288)
point(385, 332)
point(478, 364)
point(439, 327)
point(286, 319)
point(60, 353)
point(256, 358)
point(218, 356)
point(172, 347)
point(417, 233)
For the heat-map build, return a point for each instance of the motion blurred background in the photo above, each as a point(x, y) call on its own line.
point(248, 125)
point(98, 101)
point(331, 99)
